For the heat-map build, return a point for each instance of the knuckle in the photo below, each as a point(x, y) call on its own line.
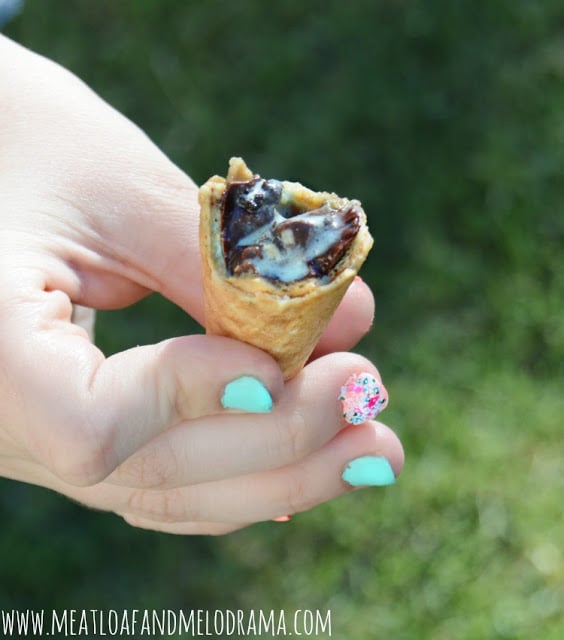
point(82, 454)
point(292, 436)
point(151, 468)
point(298, 497)
point(159, 506)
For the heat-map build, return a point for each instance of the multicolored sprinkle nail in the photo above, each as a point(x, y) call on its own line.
point(363, 398)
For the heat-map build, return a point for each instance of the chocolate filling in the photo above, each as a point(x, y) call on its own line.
point(262, 236)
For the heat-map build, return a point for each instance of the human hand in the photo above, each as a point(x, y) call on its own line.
point(94, 214)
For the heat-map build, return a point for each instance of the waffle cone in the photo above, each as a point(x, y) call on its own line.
point(283, 319)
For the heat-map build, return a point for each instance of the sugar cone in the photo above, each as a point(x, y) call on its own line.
point(283, 319)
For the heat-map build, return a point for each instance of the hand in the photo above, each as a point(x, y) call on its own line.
point(94, 214)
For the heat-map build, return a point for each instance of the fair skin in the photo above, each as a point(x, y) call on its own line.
point(94, 214)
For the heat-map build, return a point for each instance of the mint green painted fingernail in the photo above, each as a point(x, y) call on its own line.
point(369, 471)
point(248, 394)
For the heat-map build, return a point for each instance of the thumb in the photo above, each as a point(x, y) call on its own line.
point(126, 218)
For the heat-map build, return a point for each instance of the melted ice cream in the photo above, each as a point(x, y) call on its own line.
point(264, 235)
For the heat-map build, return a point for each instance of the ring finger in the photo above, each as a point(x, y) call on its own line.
point(264, 496)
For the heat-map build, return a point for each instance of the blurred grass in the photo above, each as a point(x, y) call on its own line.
point(446, 120)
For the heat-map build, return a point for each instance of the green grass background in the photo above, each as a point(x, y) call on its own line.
point(446, 119)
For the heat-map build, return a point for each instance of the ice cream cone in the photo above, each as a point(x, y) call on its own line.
point(285, 319)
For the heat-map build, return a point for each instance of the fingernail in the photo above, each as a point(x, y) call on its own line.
point(363, 398)
point(369, 471)
point(248, 394)
point(282, 519)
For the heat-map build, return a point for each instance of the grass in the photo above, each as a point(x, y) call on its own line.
point(446, 120)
